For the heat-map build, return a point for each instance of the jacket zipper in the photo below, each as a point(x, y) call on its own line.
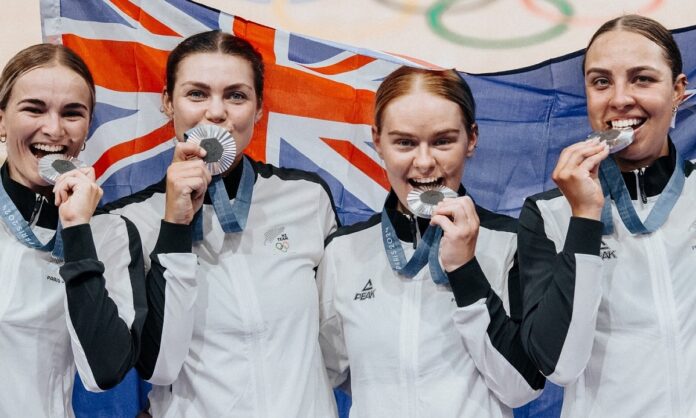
point(640, 183)
point(38, 204)
point(667, 317)
point(414, 231)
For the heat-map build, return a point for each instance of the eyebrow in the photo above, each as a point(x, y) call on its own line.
point(205, 86)
point(630, 70)
point(41, 103)
point(442, 132)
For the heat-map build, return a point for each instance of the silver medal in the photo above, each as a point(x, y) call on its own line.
point(52, 166)
point(221, 150)
point(422, 200)
point(617, 139)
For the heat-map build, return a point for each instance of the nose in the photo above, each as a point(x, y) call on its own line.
point(53, 126)
point(216, 111)
point(621, 97)
point(424, 160)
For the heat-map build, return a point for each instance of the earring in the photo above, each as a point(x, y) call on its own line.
point(84, 146)
point(3, 139)
point(673, 123)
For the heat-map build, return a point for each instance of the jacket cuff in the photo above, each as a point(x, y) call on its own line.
point(78, 243)
point(584, 236)
point(174, 238)
point(468, 283)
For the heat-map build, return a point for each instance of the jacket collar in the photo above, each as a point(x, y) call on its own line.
point(27, 201)
point(655, 176)
point(232, 180)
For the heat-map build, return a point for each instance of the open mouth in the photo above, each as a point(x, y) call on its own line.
point(41, 150)
point(426, 182)
point(633, 123)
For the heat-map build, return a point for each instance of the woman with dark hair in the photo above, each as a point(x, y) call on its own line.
point(73, 284)
point(606, 259)
point(427, 337)
point(234, 321)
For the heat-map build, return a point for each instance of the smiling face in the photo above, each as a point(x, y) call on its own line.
point(48, 112)
point(423, 141)
point(218, 89)
point(629, 82)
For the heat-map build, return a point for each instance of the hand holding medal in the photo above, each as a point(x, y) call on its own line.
point(460, 225)
point(76, 190)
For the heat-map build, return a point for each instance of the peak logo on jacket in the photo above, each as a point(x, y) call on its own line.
point(605, 252)
point(367, 292)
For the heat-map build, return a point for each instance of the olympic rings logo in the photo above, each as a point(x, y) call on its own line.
point(282, 246)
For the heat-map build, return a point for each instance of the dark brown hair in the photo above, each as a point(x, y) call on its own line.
point(212, 42)
point(649, 28)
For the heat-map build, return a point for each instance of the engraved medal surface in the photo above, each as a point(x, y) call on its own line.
point(221, 150)
point(52, 166)
point(422, 200)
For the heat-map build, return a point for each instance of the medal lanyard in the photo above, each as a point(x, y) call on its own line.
point(426, 252)
point(232, 216)
point(614, 189)
point(22, 231)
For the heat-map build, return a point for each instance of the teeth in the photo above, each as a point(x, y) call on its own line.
point(624, 123)
point(48, 147)
point(425, 180)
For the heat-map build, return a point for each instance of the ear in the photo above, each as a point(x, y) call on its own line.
point(259, 114)
point(167, 106)
point(679, 88)
point(376, 141)
point(472, 140)
point(3, 131)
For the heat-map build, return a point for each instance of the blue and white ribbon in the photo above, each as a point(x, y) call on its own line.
point(231, 215)
point(426, 252)
point(21, 229)
point(615, 189)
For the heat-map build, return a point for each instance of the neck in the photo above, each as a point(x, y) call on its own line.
point(627, 165)
point(45, 191)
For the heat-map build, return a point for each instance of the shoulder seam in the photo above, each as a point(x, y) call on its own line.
point(357, 227)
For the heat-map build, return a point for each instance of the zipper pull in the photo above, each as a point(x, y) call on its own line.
point(414, 231)
point(641, 185)
point(38, 203)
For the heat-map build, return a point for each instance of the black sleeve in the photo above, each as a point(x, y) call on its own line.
point(109, 346)
point(548, 282)
point(469, 284)
point(172, 239)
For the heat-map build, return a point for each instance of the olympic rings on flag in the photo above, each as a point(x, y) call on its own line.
point(438, 10)
point(533, 7)
point(407, 7)
point(399, 22)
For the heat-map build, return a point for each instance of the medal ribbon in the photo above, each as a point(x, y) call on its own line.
point(614, 189)
point(231, 215)
point(426, 252)
point(22, 231)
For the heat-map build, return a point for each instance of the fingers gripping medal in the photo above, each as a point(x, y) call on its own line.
point(617, 139)
point(422, 200)
point(221, 150)
point(52, 166)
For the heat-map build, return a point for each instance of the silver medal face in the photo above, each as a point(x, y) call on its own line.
point(422, 200)
point(617, 139)
point(52, 166)
point(221, 150)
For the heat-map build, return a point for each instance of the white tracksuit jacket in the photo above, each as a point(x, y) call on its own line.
point(411, 348)
point(233, 329)
point(611, 317)
point(86, 313)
